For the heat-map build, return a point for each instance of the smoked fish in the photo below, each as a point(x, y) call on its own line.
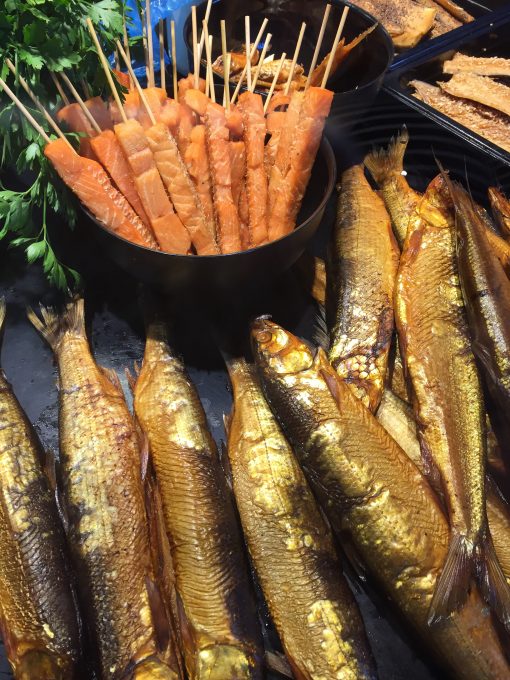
point(500, 207)
point(39, 621)
point(362, 268)
point(387, 168)
point(447, 400)
point(104, 500)
point(218, 618)
point(373, 495)
point(290, 544)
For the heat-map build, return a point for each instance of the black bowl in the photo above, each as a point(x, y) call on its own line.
point(217, 276)
point(357, 81)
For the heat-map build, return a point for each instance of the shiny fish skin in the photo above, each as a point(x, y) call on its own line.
point(361, 273)
point(38, 616)
point(500, 207)
point(104, 498)
point(387, 168)
point(447, 398)
point(217, 611)
point(375, 495)
point(290, 544)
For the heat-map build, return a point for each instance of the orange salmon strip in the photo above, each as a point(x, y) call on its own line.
point(197, 162)
point(90, 183)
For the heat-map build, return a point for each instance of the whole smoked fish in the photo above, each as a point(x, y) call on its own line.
point(218, 619)
point(38, 615)
point(362, 268)
point(290, 544)
point(448, 401)
point(104, 499)
point(375, 496)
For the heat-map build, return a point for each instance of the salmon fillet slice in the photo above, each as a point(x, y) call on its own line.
point(170, 232)
point(181, 189)
point(482, 66)
point(198, 102)
point(187, 121)
point(108, 150)
point(218, 145)
point(282, 156)
point(170, 115)
point(486, 122)
point(479, 89)
point(197, 162)
point(90, 183)
point(156, 98)
point(238, 169)
point(274, 123)
point(76, 121)
point(131, 105)
point(188, 83)
point(100, 112)
point(314, 111)
point(254, 124)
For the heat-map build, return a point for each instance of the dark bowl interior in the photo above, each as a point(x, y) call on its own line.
point(216, 277)
point(359, 78)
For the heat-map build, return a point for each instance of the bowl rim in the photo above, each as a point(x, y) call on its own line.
point(390, 47)
point(325, 148)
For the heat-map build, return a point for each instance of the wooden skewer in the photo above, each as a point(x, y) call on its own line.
point(125, 38)
point(202, 37)
point(106, 68)
point(162, 72)
point(335, 45)
point(144, 43)
point(24, 111)
point(195, 46)
point(81, 103)
point(139, 89)
point(261, 61)
point(208, 45)
point(275, 80)
point(243, 74)
point(295, 58)
point(41, 108)
point(225, 58)
point(150, 48)
point(319, 43)
point(174, 60)
point(248, 50)
point(59, 88)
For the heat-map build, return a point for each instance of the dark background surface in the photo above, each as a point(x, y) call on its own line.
point(116, 328)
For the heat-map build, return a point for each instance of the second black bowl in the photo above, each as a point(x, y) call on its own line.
point(219, 277)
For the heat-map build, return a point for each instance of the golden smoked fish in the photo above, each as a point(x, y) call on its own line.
point(218, 618)
point(362, 268)
point(104, 500)
point(387, 168)
point(374, 496)
point(500, 207)
point(448, 401)
point(290, 544)
point(38, 615)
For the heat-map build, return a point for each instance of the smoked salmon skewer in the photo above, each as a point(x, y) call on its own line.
point(254, 132)
point(168, 228)
point(197, 162)
point(301, 157)
point(218, 145)
point(90, 183)
point(180, 187)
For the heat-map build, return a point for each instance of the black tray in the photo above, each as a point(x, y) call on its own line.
point(490, 36)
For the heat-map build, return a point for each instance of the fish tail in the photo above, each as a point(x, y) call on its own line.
point(453, 583)
point(3, 309)
point(53, 326)
point(492, 582)
point(382, 163)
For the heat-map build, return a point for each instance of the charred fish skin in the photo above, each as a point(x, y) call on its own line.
point(387, 168)
point(103, 495)
point(374, 493)
point(448, 400)
point(38, 616)
point(218, 615)
point(290, 544)
point(362, 268)
point(500, 207)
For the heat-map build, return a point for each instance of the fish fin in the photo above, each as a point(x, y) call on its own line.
point(111, 375)
point(131, 380)
point(320, 330)
point(359, 38)
point(53, 325)
point(159, 614)
point(491, 580)
point(452, 584)
point(330, 377)
point(225, 465)
point(278, 663)
point(227, 422)
point(144, 453)
point(50, 469)
point(3, 310)
point(382, 163)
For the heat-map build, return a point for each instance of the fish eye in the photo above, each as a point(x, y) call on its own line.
point(264, 336)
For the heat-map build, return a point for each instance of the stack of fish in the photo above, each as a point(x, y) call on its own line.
point(136, 567)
